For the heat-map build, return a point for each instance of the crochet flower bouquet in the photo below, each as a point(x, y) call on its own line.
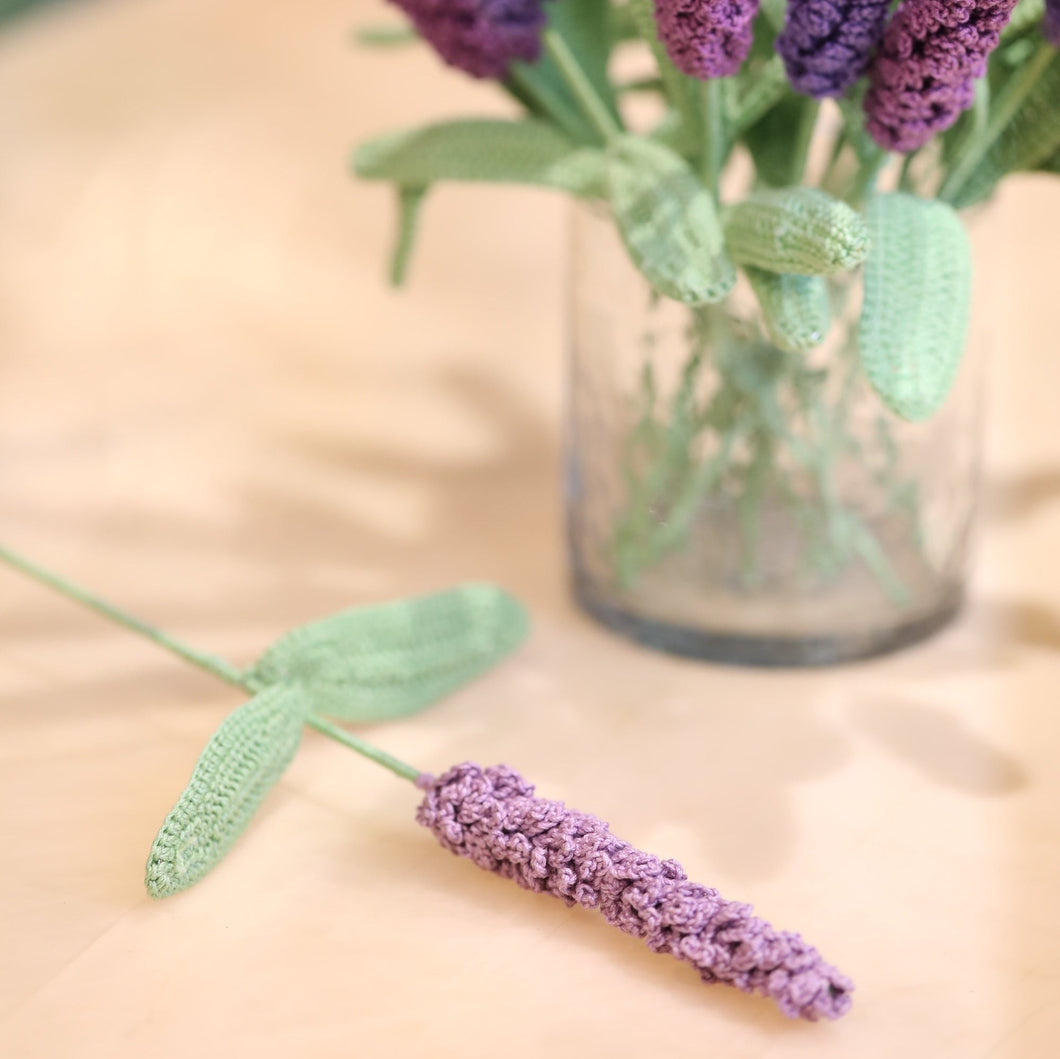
point(829, 267)
point(373, 664)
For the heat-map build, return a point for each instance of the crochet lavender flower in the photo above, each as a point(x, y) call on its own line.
point(706, 38)
point(491, 817)
point(826, 45)
point(1051, 25)
point(480, 37)
point(924, 73)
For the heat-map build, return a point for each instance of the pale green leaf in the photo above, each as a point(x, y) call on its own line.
point(914, 319)
point(668, 222)
point(240, 764)
point(517, 152)
point(375, 663)
point(796, 230)
point(795, 309)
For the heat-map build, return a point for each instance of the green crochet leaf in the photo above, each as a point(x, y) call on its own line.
point(239, 765)
point(379, 662)
point(668, 222)
point(1025, 143)
point(767, 88)
point(515, 152)
point(797, 230)
point(918, 287)
point(770, 139)
point(795, 309)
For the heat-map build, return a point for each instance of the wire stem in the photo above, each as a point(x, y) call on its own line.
point(373, 753)
point(713, 116)
point(212, 664)
point(800, 151)
point(582, 88)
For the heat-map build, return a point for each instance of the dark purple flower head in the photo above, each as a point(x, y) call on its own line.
point(491, 817)
point(480, 37)
point(924, 73)
point(706, 38)
point(1051, 25)
point(826, 45)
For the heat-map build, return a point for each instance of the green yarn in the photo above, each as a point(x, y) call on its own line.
point(770, 137)
point(1022, 138)
point(379, 662)
point(796, 230)
point(240, 764)
point(668, 222)
point(410, 200)
point(368, 664)
point(678, 88)
point(914, 318)
point(765, 89)
point(513, 152)
point(795, 309)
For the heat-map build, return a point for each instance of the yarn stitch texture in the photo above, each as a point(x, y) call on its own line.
point(826, 45)
point(924, 74)
point(480, 37)
point(706, 38)
point(490, 816)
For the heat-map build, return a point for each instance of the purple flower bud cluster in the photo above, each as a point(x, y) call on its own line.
point(924, 73)
point(491, 817)
point(706, 38)
point(480, 37)
point(1051, 25)
point(826, 45)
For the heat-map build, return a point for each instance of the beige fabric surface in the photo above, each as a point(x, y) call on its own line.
point(212, 408)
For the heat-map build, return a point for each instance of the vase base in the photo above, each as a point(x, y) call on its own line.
point(767, 652)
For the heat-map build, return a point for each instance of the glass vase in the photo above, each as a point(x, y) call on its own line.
point(730, 501)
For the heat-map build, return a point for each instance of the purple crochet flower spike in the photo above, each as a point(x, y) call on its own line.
point(924, 74)
point(1051, 25)
point(491, 817)
point(706, 38)
point(480, 37)
point(826, 45)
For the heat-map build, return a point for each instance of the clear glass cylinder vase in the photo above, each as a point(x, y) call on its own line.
point(731, 501)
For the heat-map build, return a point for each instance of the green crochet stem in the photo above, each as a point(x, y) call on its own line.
point(800, 153)
point(588, 99)
point(212, 664)
point(1005, 106)
point(713, 107)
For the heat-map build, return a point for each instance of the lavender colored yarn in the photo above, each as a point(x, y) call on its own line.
point(706, 38)
point(924, 74)
point(480, 37)
point(491, 817)
point(826, 45)
point(1051, 24)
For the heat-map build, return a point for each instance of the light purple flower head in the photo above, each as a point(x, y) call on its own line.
point(1051, 25)
point(924, 73)
point(826, 45)
point(491, 817)
point(706, 38)
point(480, 37)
